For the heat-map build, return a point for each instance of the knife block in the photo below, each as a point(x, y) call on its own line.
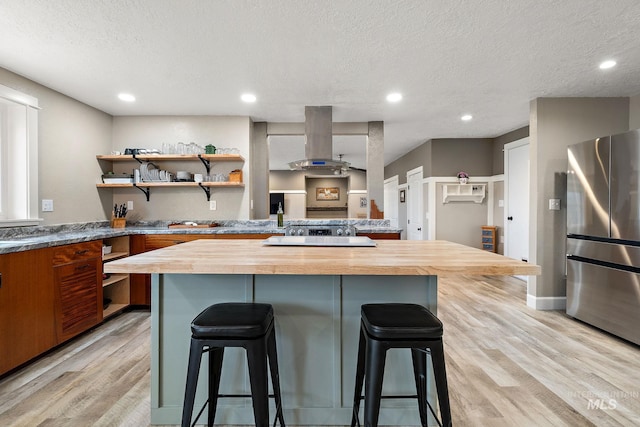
point(118, 222)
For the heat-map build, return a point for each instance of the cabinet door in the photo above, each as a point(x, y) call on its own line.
point(26, 307)
point(78, 288)
point(140, 283)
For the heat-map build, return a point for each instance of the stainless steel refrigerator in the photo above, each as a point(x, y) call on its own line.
point(603, 234)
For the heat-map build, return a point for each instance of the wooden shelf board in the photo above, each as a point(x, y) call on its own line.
point(173, 184)
point(115, 278)
point(114, 255)
point(113, 309)
point(184, 157)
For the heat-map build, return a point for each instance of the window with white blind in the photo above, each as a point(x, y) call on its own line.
point(18, 158)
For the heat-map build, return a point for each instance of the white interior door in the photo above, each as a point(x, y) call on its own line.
point(516, 165)
point(391, 200)
point(414, 204)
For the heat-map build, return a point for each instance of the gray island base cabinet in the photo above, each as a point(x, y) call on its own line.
point(317, 327)
point(316, 293)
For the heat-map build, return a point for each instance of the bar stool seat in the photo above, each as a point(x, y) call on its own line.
point(247, 325)
point(394, 325)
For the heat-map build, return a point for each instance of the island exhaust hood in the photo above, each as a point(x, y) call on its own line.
point(318, 144)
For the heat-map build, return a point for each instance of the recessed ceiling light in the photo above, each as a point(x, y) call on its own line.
point(607, 64)
point(466, 117)
point(394, 97)
point(248, 97)
point(126, 97)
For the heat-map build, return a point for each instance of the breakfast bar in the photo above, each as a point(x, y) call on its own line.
point(316, 293)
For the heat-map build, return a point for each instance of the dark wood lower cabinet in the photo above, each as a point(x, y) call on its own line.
point(78, 287)
point(26, 307)
point(141, 283)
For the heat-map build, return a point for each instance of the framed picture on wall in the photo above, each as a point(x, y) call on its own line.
point(402, 196)
point(327, 193)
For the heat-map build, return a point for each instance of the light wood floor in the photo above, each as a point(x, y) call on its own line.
point(507, 365)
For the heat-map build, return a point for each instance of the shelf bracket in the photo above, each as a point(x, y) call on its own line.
point(206, 190)
point(136, 159)
point(206, 163)
point(146, 191)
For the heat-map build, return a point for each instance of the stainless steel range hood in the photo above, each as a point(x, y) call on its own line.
point(318, 145)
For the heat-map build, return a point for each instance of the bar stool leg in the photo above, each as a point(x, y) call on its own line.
point(420, 373)
point(437, 356)
point(374, 367)
point(193, 370)
point(275, 375)
point(357, 394)
point(257, 360)
point(215, 370)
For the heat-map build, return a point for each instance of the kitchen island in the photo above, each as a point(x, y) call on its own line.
point(316, 293)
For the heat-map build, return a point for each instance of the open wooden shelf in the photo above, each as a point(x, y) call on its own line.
point(114, 278)
point(113, 309)
point(114, 255)
point(172, 157)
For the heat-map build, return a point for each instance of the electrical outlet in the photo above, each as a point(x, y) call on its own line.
point(212, 205)
point(554, 204)
point(47, 205)
point(129, 205)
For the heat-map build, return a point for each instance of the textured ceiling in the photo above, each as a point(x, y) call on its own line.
point(488, 58)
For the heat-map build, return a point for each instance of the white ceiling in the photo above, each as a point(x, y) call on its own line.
point(488, 58)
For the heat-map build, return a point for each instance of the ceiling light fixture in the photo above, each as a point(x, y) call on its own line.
point(394, 97)
point(466, 117)
point(248, 97)
point(607, 64)
point(126, 97)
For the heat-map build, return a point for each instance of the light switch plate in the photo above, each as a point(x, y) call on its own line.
point(213, 205)
point(554, 204)
point(47, 205)
point(129, 205)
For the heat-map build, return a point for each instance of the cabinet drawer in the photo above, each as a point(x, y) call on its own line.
point(157, 241)
point(77, 251)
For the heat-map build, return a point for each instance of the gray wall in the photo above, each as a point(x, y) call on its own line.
point(498, 147)
point(419, 156)
point(460, 222)
point(556, 123)
point(185, 203)
point(280, 180)
point(445, 157)
point(70, 135)
point(259, 170)
point(634, 112)
point(450, 156)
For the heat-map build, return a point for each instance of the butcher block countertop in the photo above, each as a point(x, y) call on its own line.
point(389, 257)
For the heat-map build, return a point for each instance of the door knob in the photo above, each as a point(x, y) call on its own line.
point(419, 228)
point(510, 218)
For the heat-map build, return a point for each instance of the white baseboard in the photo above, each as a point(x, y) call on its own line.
point(546, 303)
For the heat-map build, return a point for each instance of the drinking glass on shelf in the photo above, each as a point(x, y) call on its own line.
point(182, 149)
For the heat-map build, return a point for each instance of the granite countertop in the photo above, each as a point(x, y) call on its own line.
point(27, 238)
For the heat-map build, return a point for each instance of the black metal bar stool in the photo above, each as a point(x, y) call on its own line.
point(247, 325)
point(385, 326)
